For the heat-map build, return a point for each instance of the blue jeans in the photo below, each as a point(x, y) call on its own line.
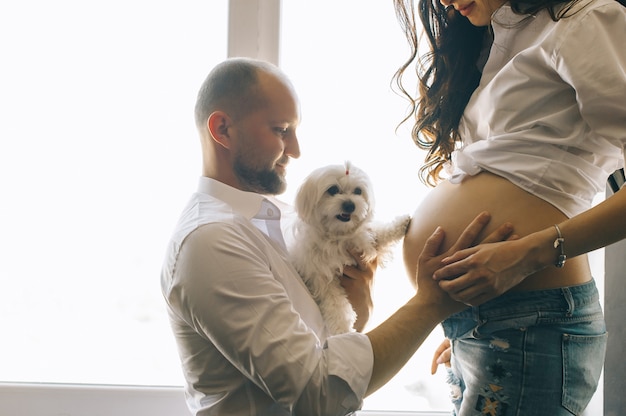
point(534, 353)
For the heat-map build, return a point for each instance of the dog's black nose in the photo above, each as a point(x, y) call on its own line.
point(347, 206)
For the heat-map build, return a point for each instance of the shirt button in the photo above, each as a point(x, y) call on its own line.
point(270, 212)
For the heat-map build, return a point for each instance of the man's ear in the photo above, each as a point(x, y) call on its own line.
point(218, 124)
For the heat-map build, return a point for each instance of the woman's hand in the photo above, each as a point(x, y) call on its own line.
point(481, 273)
point(443, 355)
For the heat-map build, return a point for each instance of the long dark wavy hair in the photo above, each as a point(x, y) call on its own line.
point(448, 73)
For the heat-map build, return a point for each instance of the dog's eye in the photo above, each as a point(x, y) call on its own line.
point(357, 191)
point(333, 190)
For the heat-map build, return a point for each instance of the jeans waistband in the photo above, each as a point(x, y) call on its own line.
point(567, 299)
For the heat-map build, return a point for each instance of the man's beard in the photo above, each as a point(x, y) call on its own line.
point(259, 180)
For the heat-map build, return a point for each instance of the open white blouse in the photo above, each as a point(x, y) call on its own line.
point(550, 111)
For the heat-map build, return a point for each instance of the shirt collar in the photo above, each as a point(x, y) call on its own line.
point(505, 17)
point(247, 204)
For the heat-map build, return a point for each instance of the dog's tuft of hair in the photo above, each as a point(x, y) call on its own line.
point(335, 207)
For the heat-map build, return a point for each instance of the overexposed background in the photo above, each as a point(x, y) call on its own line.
point(98, 155)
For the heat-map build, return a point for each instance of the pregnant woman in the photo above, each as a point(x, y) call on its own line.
point(522, 109)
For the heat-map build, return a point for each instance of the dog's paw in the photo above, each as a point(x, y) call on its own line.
point(389, 233)
point(402, 222)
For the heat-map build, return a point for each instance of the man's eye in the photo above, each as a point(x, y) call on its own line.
point(357, 191)
point(281, 130)
point(333, 190)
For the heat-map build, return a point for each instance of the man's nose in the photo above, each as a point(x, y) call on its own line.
point(292, 147)
point(445, 3)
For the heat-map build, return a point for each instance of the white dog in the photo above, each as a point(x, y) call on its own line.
point(335, 207)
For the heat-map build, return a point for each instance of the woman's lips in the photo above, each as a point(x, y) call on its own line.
point(466, 10)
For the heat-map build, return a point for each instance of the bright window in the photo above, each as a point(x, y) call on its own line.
point(97, 157)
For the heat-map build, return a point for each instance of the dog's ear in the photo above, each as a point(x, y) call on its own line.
point(369, 191)
point(306, 198)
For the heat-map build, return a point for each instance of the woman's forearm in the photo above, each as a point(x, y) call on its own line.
point(598, 227)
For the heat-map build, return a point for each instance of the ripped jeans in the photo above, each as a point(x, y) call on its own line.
point(534, 353)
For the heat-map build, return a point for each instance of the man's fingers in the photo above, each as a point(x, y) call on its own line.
point(502, 233)
point(433, 243)
point(361, 263)
point(472, 231)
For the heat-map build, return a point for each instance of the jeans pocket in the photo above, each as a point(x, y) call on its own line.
point(583, 358)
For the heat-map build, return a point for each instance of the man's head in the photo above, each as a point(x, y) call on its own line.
point(247, 113)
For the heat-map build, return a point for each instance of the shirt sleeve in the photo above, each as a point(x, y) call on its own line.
point(224, 287)
point(592, 59)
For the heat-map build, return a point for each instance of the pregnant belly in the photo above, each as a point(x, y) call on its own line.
point(453, 206)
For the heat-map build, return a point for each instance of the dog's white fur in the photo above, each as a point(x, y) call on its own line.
point(335, 207)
